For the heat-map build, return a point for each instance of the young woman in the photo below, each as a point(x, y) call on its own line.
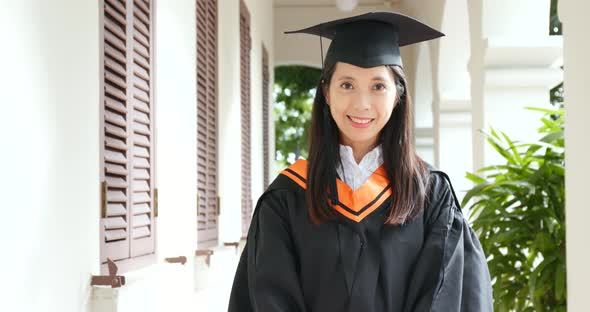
point(364, 224)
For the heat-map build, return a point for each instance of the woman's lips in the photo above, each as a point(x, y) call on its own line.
point(360, 122)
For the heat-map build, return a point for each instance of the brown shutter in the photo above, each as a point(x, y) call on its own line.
point(142, 134)
point(245, 45)
point(207, 203)
point(127, 224)
point(265, 117)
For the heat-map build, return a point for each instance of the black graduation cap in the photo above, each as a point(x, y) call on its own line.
point(370, 39)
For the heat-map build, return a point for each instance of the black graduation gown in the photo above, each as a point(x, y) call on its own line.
point(432, 263)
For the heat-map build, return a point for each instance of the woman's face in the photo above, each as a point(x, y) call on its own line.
point(361, 101)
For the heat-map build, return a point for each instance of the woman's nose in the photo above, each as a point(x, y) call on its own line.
point(362, 101)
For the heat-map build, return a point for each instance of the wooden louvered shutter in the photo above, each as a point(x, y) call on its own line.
point(128, 221)
point(207, 203)
point(245, 45)
point(265, 119)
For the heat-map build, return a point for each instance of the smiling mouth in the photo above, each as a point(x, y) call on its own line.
point(360, 120)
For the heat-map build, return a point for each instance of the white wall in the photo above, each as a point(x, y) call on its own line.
point(49, 93)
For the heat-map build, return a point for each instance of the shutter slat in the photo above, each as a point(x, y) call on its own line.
point(116, 196)
point(117, 5)
point(115, 157)
point(141, 95)
point(114, 54)
point(115, 15)
point(116, 30)
point(116, 67)
point(139, 26)
point(141, 208)
point(115, 79)
point(140, 72)
point(140, 232)
point(115, 143)
point(141, 117)
point(141, 5)
point(139, 151)
point(141, 186)
point(114, 235)
point(117, 182)
point(142, 17)
point(117, 93)
point(140, 220)
point(141, 197)
point(141, 174)
point(115, 223)
point(141, 40)
point(141, 106)
point(113, 39)
point(116, 131)
point(142, 140)
point(141, 128)
point(115, 169)
point(116, 209)
point(142, 52)
point(141, 163)
point(142, 85)
point(115, 105)
point(115, 118)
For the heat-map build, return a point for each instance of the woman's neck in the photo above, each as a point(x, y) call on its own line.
point(360, 149)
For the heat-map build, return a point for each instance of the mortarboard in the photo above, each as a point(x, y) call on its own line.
point(370, 39)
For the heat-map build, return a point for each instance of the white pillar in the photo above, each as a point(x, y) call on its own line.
point(453, 106)
point(229, 126)
point(576, 49)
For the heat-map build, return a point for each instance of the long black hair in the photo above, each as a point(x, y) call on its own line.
point(407, 171)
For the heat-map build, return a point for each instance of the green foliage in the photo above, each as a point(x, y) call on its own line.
point(519, 214)
point(294, 91)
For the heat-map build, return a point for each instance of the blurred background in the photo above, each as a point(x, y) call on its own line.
point(140, 134)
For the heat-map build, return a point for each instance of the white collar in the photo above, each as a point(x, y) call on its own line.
point(355, 174)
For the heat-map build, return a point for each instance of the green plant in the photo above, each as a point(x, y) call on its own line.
point(293, 92)
point(518, 212)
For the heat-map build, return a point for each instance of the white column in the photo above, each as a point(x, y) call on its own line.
point(576, 48)
point(229, 125)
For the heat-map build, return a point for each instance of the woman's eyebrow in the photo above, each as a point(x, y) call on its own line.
point(380, 78)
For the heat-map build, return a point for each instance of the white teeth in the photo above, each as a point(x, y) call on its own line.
point(361, 121)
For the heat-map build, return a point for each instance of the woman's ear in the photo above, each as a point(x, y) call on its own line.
point(326, 94)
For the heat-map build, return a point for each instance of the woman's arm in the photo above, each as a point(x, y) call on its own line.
point(451, 273)
point(267, 279)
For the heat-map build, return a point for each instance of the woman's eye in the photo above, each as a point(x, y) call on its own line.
point(346, 85)
point(379, 87)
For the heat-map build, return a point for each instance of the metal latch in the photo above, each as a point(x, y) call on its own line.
point(181, 260)
point(112, 279)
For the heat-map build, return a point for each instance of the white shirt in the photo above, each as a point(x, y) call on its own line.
point(355, 174)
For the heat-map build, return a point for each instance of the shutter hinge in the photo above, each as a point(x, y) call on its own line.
point(156, 202)
point(218, 205)
point(103, 199)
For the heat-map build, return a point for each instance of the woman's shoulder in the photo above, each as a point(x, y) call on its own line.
point(286, 192)
point(292, 178)
point(441, 197)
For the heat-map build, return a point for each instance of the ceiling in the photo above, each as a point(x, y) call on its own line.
point(324, 3)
